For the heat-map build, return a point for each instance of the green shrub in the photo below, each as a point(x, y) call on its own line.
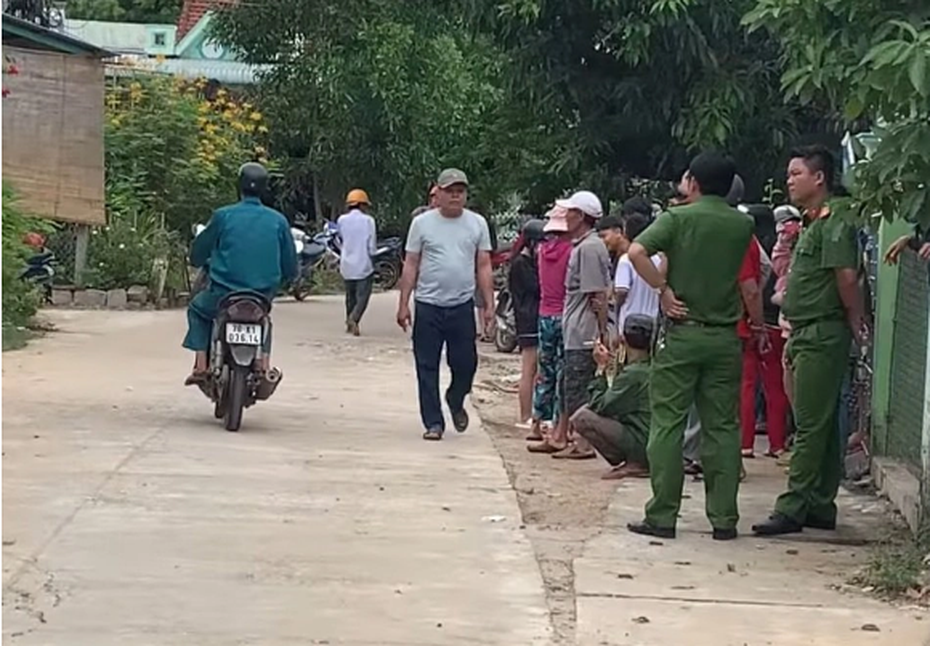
point(20, 299)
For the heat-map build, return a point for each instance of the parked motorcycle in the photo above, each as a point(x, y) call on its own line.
point(388, 258)
point(505, 324)
point(235, 379)
point(40, 271)
point(311, 252)
point(388, 262)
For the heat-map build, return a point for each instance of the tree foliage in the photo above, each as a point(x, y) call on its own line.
point(377, 94)
point(870, 59)
point(634, 86)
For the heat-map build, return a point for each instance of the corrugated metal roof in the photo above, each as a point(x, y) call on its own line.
point(17, 29)
point(226, 72)
point(121, 37)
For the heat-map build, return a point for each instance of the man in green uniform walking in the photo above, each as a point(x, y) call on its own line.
point(824, 306)
point(698, 358)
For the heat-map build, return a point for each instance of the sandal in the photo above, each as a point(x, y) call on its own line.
point(533, 437)
point(572, 452)
point(544, 447)
point(433, 434)
point(748, 453)
point(626, 471)
point(196, 378)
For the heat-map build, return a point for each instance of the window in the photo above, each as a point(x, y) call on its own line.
point(160, 39)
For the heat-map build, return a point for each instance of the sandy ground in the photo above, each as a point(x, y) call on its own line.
point(131, 517)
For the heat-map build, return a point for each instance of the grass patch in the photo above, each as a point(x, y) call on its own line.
point(15, 337)
point(899, 567)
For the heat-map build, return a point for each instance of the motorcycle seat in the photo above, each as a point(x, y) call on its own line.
point(236, 297)
point(313, 250)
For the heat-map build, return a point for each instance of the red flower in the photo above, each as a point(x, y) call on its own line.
point(5, 92)
point(12, 69)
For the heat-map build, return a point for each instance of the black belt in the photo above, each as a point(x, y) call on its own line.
point(692, 323)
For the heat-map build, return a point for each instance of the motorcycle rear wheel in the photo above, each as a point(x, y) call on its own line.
point(235, 397)
point(387, 273)
point(504, 341)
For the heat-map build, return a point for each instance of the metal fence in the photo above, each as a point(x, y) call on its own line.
point(909, 364)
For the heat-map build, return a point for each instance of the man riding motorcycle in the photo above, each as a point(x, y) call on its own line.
point(247, 247)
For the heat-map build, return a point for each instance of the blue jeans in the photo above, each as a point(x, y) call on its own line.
point(454, 328)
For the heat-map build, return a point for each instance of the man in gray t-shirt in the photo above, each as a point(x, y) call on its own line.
point(584, 319)
point(448, 253)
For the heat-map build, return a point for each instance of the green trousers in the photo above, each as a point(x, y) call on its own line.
point(818, 356)
point(700, 366)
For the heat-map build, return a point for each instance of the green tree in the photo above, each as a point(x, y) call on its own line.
point(373, 94)
point(634, 86)
point(869, 60)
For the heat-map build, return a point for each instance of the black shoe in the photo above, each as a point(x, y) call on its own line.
point(434, 434)
point(725, 534)
point(646, 529)
point(776, 525)
point(460, 420)
point(813, 523)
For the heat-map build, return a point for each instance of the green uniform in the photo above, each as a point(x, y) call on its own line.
point(818, 352)
point(626, 401)
point(699, 360)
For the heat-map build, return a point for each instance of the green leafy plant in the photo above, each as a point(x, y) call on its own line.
point(20, 299)
point(871, 60)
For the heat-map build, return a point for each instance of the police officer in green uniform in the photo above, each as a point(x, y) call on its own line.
point(824, 306)
point(698, 359)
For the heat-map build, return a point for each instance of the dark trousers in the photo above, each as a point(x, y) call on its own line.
point(455, 328)
point(358, 293)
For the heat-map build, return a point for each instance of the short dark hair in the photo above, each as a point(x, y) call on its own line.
point(636, 204)
point(818, 158)
point(609, 222)
point(713, 172)
point(634, 224)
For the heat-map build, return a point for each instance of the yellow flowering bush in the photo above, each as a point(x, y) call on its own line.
point(173, 149)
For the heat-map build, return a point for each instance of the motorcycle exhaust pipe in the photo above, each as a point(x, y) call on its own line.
point(268, 384)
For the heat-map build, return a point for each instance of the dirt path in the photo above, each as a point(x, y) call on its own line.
point(605, 586)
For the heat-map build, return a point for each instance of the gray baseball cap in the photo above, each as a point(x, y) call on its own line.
point(450, 177)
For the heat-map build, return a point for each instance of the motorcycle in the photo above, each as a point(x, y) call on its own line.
point(388, 263)
point(505, 324)
point(387, 260)
point(40, 271)
point(311, 252)
point(235, 380)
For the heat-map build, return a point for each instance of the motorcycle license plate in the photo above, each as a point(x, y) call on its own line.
point(243, 334)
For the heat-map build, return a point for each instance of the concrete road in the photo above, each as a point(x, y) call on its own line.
point(131, 517)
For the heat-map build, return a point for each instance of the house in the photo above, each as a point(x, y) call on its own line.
point(186, 49)
point(53, 116)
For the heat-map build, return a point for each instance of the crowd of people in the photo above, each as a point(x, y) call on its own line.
point(645, 339)
point(664, 344)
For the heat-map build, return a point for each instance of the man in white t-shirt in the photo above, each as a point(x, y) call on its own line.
point(634, 295)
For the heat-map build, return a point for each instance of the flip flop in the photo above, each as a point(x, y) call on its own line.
point(625, 471)
point(544, 447)
point(573, 453)
point(433, 435)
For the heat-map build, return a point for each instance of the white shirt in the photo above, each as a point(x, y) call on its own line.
point(640, 298)
point(359, 244)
